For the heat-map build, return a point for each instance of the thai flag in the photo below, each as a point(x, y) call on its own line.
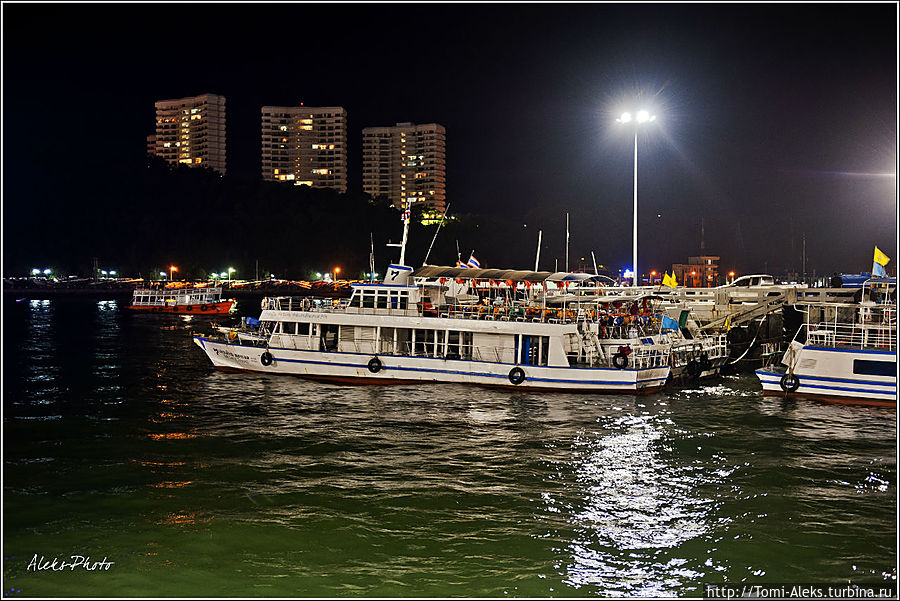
point(473, 262)
point(461, 264)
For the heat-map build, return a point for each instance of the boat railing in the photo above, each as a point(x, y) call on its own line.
point(305, 303)
point(863, 335)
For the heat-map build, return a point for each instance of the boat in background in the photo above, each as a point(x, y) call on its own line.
point(182, 301)
point(844, 353)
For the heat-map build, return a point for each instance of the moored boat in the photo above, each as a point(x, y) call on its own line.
point(183, 301)
point(844, 353)
point(417, 329)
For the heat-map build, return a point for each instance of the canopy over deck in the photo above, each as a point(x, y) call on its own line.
point(462, 273)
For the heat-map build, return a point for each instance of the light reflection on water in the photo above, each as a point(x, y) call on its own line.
point(283, 486)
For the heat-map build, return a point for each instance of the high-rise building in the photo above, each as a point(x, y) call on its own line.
point(191, 131)
point(151, 145)
point(305, 145)
point(406, 161)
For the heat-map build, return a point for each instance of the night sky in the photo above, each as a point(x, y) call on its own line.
point(773, 121)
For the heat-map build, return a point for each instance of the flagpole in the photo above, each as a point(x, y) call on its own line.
point(567, 242)
point(537, 257)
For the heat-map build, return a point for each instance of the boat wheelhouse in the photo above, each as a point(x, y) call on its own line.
point(185, 301)
point(845, 352)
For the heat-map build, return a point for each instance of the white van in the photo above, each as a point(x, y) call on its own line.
point(751, 280)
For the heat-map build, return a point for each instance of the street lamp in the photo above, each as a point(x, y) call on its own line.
point(172, 270)
point(230, 271)
point(640, 118)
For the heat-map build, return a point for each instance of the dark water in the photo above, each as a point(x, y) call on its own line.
point(120, 441)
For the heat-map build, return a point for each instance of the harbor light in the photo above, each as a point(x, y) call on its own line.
point(231, 270)
point(224, 274)
point(47, 272)
point(172, 270)
point(162, 273)
point(113, 272)
point(642, 117)
point(337, 270)
point(35, 271)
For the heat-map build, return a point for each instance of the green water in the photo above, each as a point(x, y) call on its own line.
point(121, 442)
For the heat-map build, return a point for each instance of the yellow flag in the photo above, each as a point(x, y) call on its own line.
point(669, 280)
point(881, 258)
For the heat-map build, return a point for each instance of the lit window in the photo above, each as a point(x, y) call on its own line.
point(284, 128)
point(276, 172)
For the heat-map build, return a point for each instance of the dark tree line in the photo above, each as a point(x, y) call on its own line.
point(142, 219)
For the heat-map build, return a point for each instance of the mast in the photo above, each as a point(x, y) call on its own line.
point(567, 242)
point(537, 256)
point(371, 257)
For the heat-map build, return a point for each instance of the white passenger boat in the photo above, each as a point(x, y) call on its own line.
point(409, 329)
point(845, 353)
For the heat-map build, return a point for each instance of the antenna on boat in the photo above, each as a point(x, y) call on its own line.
point(537, 257)
point(595, 263)
point(444, 214)
point(567, 242)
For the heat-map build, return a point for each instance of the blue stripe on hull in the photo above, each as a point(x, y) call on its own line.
point(761, 373)
point(642, 383)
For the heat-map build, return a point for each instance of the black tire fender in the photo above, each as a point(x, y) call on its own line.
point(374, 365)
point(620, 360)
point(517, 375)
point(266, 358)
point(789, 383)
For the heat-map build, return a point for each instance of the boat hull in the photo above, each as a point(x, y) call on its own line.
point(220, 308)
point(354, 368)
point(829, 375)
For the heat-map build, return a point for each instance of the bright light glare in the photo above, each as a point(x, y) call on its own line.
point(46, 272)
point(625, 118)
point(231, 270)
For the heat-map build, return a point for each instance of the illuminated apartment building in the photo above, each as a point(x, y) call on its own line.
point(406, 161)
point(191, 131)
point(305, 145)
point(151, 145)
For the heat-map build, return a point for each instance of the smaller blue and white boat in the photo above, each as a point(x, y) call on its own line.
point(844, 353)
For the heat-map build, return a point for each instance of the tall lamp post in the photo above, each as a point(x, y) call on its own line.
point(640, 118)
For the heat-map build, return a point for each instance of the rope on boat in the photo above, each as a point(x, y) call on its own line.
point(749, 346)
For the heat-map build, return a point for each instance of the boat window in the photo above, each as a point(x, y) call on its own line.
point(382, 299)
point(356, 299)
point(369, 299)
point(535, 350)
point(289, 327)
point(303, 328)
point(874, 368)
